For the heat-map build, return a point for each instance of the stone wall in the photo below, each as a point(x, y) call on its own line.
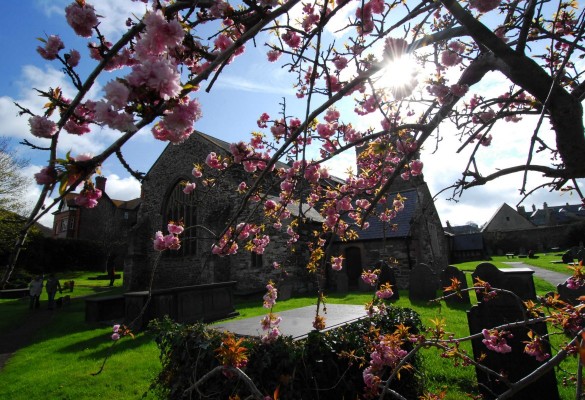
point(215, 207)
point(539, 239)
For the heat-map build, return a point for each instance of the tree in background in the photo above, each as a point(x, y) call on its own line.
point(13, 183)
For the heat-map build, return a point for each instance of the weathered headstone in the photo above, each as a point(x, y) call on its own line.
point(423, 283)
point(447, 275)
point(388, 275)
point(501, 310)
point(570, 295)
point(568, 257)
point(517, 280)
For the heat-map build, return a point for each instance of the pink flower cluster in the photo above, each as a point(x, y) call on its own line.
point(387, 353)
point(385, 291)
point(270, 296)
point(171, 241)
point(53, 45)
point(116, 332)
point(484, 6)
point(370, 277)
point(176, 124)
point(496, 341)
point(536, 349)
point(81, 17)
point(270, 324)
point(42, 126)
point(88, 197)
point(337, 263)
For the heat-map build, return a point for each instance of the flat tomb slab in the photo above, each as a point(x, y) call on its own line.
point(298, 322)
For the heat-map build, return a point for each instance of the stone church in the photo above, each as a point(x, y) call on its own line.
point(207, 210)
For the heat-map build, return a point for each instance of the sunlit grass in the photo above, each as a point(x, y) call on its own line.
point(64, 355)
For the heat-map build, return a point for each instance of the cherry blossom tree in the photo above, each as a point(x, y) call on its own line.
point(340, 55)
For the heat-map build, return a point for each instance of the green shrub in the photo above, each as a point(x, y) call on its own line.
point(325, 365)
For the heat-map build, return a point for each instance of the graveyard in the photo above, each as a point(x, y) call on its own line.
point(68, 350)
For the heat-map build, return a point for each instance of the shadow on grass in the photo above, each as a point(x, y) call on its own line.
point(99, 352)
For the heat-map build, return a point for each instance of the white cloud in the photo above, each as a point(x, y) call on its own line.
point(122, 188)
point(237, 83)
point(115, 13)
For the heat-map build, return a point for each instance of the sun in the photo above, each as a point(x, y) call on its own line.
point(399, 75)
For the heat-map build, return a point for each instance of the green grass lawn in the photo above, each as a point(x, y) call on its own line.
point(60, 363)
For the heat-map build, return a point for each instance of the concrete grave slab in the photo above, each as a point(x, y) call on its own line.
point(298, 322)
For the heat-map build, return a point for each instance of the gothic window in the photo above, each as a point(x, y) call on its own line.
point(181, 207)
point(256, 260)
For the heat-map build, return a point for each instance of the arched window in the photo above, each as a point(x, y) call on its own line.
point(182, 207)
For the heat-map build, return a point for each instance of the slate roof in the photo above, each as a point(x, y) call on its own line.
point(560, 214)
point(403, 219)
point(470, 241)
point(461, 229)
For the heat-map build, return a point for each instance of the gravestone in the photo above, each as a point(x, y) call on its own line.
point(388, 275)
point(423, 283)
point(570, 295)
point(568, 257)
point(501, 310)
point(517, 280)
point(446, 275)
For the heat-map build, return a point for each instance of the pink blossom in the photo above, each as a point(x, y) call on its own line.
point(177, 123)
point(47, 176)
point(42, 126)
point(117, 94)
point(459, 90)
point(189, 187)
point(196, 172)
point(337, 263)
point(175, 229)
point(450, 58)
point(88, 197)
point(160, 35)
point(385, 291)
point(116, 328)
point(536, 349)
point(377, 6)
point(73, 58)
point(223, 41)
point(395, 48)
point(292, 39)
point(115, 336)
point(213, 161)
point(273, 55)
point(82, 18)
point(496, 341)
point(370, 278)
point(270, 296)
point(340, 62)
point(416, 167)
point(159, 75)
point(484, 6)
point(53, 45)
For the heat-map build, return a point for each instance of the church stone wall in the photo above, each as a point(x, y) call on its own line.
point(215, 206)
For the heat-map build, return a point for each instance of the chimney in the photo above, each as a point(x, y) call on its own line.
point(100, 183)
point(544, 206)
point(521, 210)
point(533, 207)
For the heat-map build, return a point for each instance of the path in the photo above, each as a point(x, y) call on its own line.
point(551, 277)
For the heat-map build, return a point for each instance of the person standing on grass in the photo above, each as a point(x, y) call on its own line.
point(52, 286)
point(35, 290)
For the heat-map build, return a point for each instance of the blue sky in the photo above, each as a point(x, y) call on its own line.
point(247, 88)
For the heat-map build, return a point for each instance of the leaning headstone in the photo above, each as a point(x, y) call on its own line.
point(423, 283)
point(447, 275)
point(504, 309)
point(570, 295)
point(388, 275)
